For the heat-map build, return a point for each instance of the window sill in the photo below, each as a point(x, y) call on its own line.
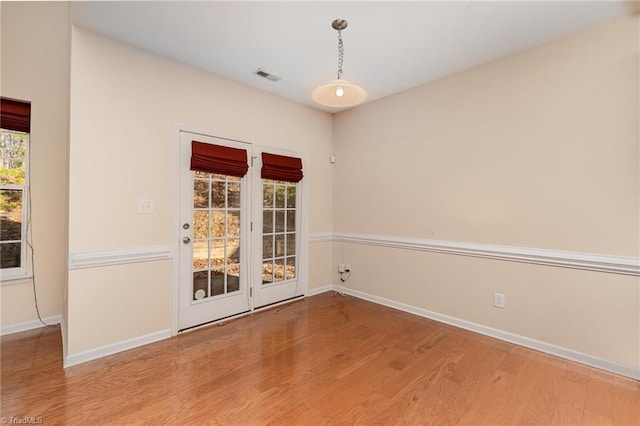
point(15, 279)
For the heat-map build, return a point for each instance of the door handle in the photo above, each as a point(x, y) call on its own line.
point(186, 240)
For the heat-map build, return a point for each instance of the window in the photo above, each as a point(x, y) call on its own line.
point(280, 175)
point(278, 231)
point(13, 171)
point(15, 122)
point(216, 218)
point(216, 235)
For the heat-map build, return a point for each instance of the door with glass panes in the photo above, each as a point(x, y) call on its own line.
point(233, 257)
point(277, 216)
point(214, 235)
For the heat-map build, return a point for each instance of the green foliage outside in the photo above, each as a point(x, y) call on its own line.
point(13, 147)
point(12, 170)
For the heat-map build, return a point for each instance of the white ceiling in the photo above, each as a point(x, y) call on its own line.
point(389, 46)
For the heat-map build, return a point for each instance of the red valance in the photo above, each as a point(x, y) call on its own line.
point(224, 160)
point(15, 115)
point(280, 167)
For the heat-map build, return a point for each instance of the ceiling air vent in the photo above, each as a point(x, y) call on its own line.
point(266, 75)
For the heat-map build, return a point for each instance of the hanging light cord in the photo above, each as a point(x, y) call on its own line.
point(340, 54)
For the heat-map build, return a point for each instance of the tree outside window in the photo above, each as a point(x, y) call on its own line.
point(13, 148)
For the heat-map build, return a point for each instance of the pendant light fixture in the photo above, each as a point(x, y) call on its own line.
point(339, 93)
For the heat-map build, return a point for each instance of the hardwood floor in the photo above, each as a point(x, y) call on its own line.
point(327, 359)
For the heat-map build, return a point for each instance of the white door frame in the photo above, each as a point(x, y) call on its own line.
point(303, 265)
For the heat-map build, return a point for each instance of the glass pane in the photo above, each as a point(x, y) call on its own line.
point(200, 285)
point(233, 278)
point(12, 172)
point(11, 228)
point(200, 224)
point(279, 220)
point(278, 273)
point(267, 195)
point(217, 252)
point(12, 153)
point(233, 195)
point(200, 255)
point(233, 223)
point(217, 282)
point(200, 193)
point(267, 272)
point(233, 178)
point(216, 176)
point(291, 220)
point(279, 245)
point(217, 223)
point(202, 175)
point(267, 221)
point(233, 250)
point(291, 197)
point(291, 244)
point(11, 201)
point(291, 268)
point(10, 255)
point(217, 195)
point(267, 246)
point(280, 190)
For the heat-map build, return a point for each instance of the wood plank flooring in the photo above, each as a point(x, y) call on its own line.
point(327, 359)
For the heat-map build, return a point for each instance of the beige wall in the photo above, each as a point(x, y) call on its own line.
point(35, 67)
point(124, 106)
point(537, 150)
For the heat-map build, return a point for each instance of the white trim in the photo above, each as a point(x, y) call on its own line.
point(320, 237)
point(175, 245)
point(559, 351)
point(566, 259)
point(113, 348)
point(318, 290)
point(63, 332)
point(93, 259)
point(29, 325)
point(25, 279)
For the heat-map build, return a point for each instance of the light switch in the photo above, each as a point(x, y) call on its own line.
point(145, 205)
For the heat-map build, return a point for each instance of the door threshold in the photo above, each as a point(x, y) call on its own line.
point(223, 321)
point(276, 304)
point(219, 321)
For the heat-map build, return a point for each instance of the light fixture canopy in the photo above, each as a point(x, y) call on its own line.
point(339, 93)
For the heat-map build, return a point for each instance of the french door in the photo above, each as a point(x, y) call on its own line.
point(239, 238)
point(276, 239)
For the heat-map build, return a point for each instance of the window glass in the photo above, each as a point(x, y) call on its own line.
point(278, 231)
point(13, 177)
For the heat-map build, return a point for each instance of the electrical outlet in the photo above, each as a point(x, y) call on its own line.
point(499, 300)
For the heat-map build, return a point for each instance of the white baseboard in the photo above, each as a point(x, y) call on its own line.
point(318, 290)
point(113, 348)
point(559, 351)
point(29, 325)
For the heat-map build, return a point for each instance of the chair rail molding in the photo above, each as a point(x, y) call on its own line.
point(566, 259)
point(320, 237)
point(93, 259)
